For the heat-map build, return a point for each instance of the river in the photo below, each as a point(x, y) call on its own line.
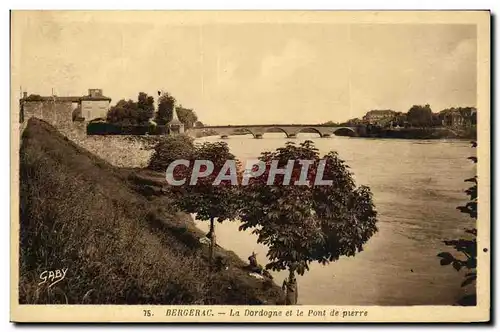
point(416, 185)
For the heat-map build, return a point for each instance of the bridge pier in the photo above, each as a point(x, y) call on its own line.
point(326, 135)
point(290, 130)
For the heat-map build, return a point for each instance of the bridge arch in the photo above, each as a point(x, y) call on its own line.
point(240, 130)
point(275, 129)
point(309, 129)
point(345, 129)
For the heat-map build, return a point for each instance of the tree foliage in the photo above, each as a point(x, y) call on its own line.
point(301, 224)
point(166, 104)
point(145, 107)
point(331, 123)
point(208, 201)
point(34, 97)
point(420, 116)
point(169, 149)
point(123, 113)
point(129, 112)
point(76, 115)
point(187, 116)
point(469, 114)
point(466, 247)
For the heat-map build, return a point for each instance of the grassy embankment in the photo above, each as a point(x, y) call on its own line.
point(120, 239)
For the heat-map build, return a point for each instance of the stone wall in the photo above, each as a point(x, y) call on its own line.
point(118, 150)
point(57, 113)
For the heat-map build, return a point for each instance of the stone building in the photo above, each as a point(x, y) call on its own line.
point(94, 105)
point(458, 117)
point(379, 116)
point(60, 111)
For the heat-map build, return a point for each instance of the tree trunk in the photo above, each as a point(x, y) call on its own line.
point(291, 290)
point(212, 244)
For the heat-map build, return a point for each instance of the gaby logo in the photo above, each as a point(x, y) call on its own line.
point(53, 276)
point(253, 169)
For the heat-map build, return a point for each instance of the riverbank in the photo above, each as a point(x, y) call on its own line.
point(420, 133)
point(376, 132)
point(120, 242)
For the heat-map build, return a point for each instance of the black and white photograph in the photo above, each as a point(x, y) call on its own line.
point(250, 166)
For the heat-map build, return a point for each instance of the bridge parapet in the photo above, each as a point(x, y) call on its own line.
point(258, 131)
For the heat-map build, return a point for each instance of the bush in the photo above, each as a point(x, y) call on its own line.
point(158, 130)
point(102, 128)
point(169, 149)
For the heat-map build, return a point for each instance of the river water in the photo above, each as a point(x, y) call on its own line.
point(416, 185)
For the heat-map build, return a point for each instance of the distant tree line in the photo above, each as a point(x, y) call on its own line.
point(142, 112)
point(419, 116)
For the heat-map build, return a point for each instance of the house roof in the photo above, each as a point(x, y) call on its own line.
point(175, 119)
point(381, 112)
point(73, 99)
point(95, 98)
point(52, 98)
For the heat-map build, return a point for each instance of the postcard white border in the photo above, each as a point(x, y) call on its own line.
point(108, 313)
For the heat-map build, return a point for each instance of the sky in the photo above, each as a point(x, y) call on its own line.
point(248, 73)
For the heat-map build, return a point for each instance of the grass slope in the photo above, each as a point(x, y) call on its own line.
point(120, 246)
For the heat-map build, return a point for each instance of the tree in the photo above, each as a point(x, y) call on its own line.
point(469, 115)
point(436, 120)
point(331, 123)
point(187, 116)
point(166, 104)
point(76, 115)
point(123, 113)
point(145, 107)
point(351, 122)
point(169, 149)
point(400, 119)
point(420, 116)
point(199, 124)
point(33, 97)
point(129, 112)
point(206, 200)
point(301, 224)
point(466, 247)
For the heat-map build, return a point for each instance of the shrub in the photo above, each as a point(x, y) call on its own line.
point(466, 247)
point(102, 128)
point(171, 148)
point(106, 128)
point(157, 130)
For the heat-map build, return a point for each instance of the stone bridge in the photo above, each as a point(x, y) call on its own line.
point(258, 131)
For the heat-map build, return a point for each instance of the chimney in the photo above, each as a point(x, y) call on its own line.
point(25, 94)
point(95, 92)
